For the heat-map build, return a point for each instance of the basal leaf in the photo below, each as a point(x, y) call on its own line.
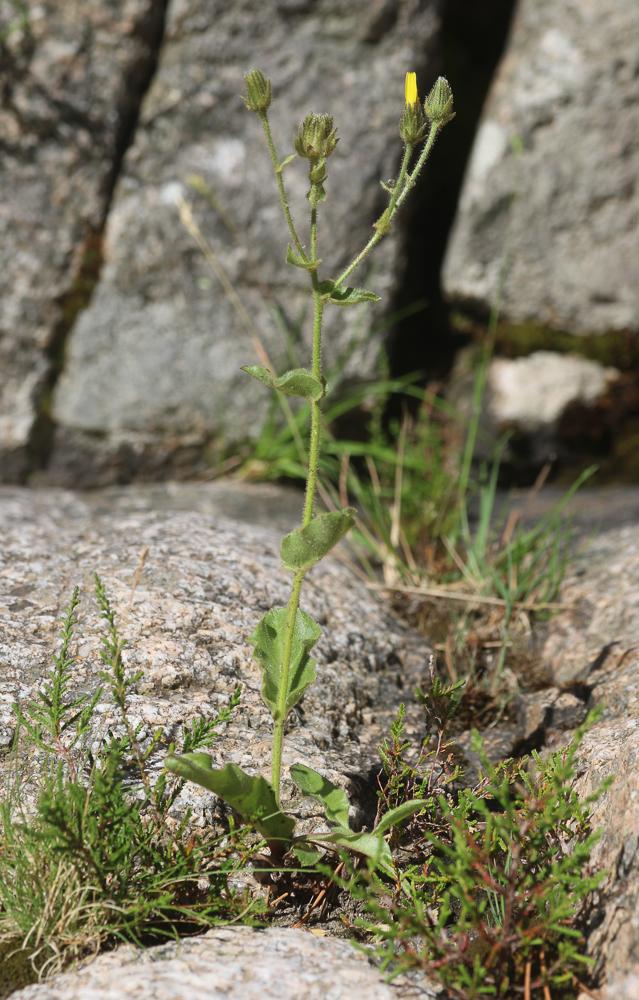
point(250, 795)
point(300, 382)
point(397, 815)
point(304, 547)
point(268, 641)
point(306, 855)
point(369, 844)
point(261, 374)
point(334, 799)
point(344, 295)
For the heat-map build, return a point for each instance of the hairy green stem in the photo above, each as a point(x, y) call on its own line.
point(316, 370)
point(307, 516)
point(279, 180)
point(387, 215)
point(405, 182)
point(417, 169)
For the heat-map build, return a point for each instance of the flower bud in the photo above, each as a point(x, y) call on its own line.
point(316, 138)
point(439, 103)
point(258, 91)
point(410, 89)
point(413, 124)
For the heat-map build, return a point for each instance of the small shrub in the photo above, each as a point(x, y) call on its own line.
point(491, 880)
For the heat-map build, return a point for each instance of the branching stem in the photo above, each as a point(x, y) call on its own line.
point(279, 180)
point(404, 183)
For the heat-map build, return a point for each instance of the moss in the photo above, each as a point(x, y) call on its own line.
point(622, 465)
point(70, 305)
point(617, 348)
point(15, 968)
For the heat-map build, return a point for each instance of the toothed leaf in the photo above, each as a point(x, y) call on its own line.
point(268, 641)
point(251, 796)
point(306, 855)
point(345, 295)
point(334, 799)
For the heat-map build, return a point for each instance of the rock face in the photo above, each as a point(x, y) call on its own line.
point(206, 582)
point(235, 963)
point(559, 215)
point(71, 74)
point(152, 372)
point(592, 651)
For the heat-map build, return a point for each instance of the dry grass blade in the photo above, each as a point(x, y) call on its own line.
point(447, 594)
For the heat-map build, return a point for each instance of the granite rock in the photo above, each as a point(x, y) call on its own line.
point(206, 582)
point(590, 650)
point(547, 220)
point(152, 375)
point(235, 963)
point(70, 75)
point(529, 397)
point(601, 593)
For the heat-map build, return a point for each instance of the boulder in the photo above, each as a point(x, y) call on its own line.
point(534, 399)
point(152, 374)
point(203, 584)
point(590, 650)
point(71, 76)
point(547, 221)
point(601, 594)
point(234, 963)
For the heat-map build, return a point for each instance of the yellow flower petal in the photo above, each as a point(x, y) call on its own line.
point(410, 89)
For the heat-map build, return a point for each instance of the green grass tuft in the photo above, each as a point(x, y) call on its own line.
point(100, 855)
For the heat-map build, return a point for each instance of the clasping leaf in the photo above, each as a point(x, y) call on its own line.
point(300, 260)
point(300, 382)
point(334, 799)
point(304, 547)
point(296, 382)
point(261, 374)
point(341, 295)
point(285, 162)
point(268, 641)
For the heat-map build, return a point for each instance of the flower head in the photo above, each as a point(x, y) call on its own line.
point(439, 103)
point(316, 138)
point(412, 124)
point(410, 90)
point(258, 91)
